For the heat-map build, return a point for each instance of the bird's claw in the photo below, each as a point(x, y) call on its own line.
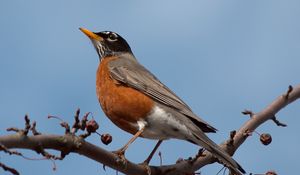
point(145, 164)
point(121, 157)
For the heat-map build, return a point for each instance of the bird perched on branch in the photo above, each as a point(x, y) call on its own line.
point(137, 102)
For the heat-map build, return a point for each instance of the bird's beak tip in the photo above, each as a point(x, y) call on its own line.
point(90, 34)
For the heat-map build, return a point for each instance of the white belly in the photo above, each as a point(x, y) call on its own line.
point(163, 125)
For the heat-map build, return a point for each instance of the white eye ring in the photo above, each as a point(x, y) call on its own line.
point(112, 37)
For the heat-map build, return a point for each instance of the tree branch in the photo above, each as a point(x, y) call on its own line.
point(71, 143)
point(241, 135)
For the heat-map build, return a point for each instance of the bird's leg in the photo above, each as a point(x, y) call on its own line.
point(121, 151)
point(147, 161)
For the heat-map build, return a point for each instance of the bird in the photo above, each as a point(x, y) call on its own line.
point(136, 101)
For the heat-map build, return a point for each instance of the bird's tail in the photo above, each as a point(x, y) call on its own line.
point(221, 155)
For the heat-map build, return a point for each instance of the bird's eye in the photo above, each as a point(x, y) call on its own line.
point(112, 37)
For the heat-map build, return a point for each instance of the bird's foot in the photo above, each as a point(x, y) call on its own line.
point(121, 156)
point(146, 166)
point(146, 162)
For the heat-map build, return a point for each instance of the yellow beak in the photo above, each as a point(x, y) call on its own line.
point(91, 35)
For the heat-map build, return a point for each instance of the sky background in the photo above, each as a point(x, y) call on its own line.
point(220, 57)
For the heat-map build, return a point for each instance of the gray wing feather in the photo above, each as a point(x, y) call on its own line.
point(133, 74)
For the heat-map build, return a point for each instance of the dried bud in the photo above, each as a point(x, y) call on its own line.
point(92, 126)
point(77, 112)
point(265, 138)
point(106, 138)
point(271, 173)
point(84, 118)
point(179, 160)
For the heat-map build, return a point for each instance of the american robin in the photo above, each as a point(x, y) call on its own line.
point(137, 102)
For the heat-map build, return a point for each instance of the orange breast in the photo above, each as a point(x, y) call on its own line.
point(123, 105)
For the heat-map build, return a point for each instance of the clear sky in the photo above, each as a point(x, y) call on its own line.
point(220, 57)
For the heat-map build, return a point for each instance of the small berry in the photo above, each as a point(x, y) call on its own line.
point(265, 138)
point(106, 138)
point(92, 126)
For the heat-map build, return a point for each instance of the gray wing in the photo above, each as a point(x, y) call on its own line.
point(130, 72)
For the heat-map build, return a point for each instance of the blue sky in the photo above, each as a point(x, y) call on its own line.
point(219, 57)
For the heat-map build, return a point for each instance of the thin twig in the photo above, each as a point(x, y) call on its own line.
point(33, 129)
point(9, 169)
point(277, 122)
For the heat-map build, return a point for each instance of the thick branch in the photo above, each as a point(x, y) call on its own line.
point(70, 143)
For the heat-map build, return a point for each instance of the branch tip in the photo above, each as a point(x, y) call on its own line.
point(54, 117)
point(79, 124)
point(66, 126)
point(77, 112)
point(179, 160)
point(290, 89)
point(232, 134)
point(84, 120)
point(248, 112)
point(247, 133)
point(200, 153)
point(27, 125)
point(160, 158)
point(27, 120)
point(14, 129)
point(277, 122)
point(33, 129)
point(10, 152)
point(9, 169)
point(76, 124)
point(22, 131)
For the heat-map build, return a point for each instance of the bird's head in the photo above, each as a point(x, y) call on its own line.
point(107, 43)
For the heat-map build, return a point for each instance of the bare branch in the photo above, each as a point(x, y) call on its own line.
point(71, 143)
point(10, 152)
point(7, 168)
point(255, 121)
